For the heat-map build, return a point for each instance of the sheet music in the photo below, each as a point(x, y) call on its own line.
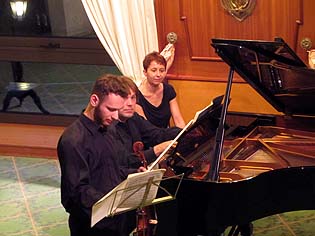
point(136, 183)
point(163, 155)
point(128, 195)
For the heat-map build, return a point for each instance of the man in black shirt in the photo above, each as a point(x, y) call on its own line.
point(132, 127)
point(89, 161)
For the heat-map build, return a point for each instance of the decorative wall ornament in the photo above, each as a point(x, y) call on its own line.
point(306, 43)
point(171, 37)
point(239, 9)
point(167, 51)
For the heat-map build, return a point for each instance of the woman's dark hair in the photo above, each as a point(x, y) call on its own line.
point(153, 56)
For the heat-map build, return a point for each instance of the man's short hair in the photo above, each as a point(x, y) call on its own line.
point(153, 56)
point(109, 83)
point(131, 84)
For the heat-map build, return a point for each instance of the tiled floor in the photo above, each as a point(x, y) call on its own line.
point(30, 198)
point(30, 203)
point(298, 223)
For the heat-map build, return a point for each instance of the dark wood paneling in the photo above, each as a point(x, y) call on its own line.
point(197, 21)
point(197, 68)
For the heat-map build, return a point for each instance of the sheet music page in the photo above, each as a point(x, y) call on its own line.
point(128, 195)
point(163, 155)
point(103, 207)
point(136, 186)
point(198, 113)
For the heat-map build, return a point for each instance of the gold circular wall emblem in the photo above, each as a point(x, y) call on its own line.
point(171, 37)
point(306, 43)
point(239, 9)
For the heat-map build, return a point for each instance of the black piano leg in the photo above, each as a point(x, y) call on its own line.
point(217, 232)
point(246, 229)
point(242, 230)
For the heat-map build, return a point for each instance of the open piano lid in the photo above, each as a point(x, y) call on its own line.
point(274, 71)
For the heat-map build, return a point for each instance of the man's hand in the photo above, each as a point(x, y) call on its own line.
point(158, 149)
point(141, 169)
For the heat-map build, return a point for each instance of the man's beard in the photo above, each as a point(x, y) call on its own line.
point(98, 116)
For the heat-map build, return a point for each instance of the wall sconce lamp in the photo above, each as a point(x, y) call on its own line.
point(18, 8)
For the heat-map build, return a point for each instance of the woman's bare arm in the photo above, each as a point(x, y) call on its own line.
point(176, 114)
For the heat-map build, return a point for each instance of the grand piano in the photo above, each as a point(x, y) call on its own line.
point(241, 167)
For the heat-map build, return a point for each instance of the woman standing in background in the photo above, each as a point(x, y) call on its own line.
point(156, 100)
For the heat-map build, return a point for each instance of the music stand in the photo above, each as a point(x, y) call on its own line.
point(137, 191)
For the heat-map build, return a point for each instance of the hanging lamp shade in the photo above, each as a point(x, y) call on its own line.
point(18, 8)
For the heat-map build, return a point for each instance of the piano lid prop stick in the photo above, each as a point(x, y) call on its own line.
point(162, 155)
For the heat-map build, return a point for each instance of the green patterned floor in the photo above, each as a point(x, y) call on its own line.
point(30, 203)
point(30, 198)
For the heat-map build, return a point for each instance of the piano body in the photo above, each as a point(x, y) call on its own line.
point(267, 163)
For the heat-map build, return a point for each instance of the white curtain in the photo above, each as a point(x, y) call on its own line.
point(126, 29)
